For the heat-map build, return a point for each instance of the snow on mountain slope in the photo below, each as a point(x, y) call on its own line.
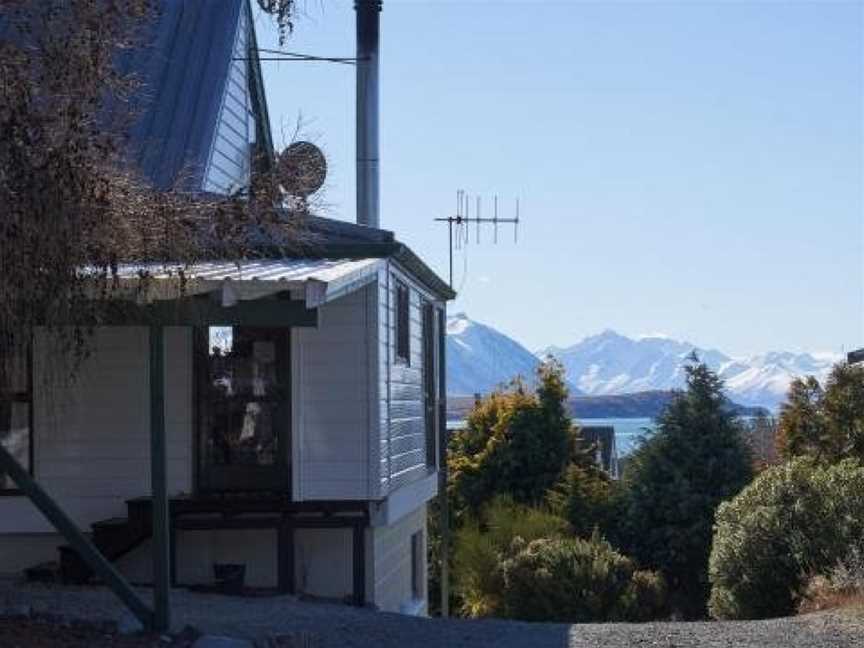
point(479, 358)
point(764, 379)
point(610, 363)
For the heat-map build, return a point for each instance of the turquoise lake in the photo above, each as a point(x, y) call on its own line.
point(627, 430)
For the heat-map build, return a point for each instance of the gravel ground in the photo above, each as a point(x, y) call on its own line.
point(332, 626)
point(41, 632)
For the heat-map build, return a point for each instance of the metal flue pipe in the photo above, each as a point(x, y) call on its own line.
point(368, 179)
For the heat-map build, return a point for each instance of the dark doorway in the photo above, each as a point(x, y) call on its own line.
point(243, 408)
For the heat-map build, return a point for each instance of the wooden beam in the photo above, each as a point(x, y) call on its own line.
point(79, 542)
point(359, 560)
point(201, 311)
point(161, 545)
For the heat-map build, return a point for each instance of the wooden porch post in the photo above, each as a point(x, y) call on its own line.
point(161, 545)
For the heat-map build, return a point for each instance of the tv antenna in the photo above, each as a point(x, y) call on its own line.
point(463, 219)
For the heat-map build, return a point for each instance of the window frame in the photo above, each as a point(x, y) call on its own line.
point(402, 324)
point(417, 552)
point(24, 397)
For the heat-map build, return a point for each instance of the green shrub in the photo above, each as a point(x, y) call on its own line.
point(589, 500)
point(574, 580)
point(481, 546)
point(516, 442)
point(793, 522)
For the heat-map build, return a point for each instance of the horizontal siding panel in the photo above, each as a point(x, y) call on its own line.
point(406, 392)
point(334, 401)
point(406, 427)
point(337, 471)
point(406, 477)
point(407, 443)
point(335, 490)
point(402, 462)
point(406, 409)
point(407, 375)
point(318, 452)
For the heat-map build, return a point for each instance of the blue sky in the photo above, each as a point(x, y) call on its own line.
point(687, 168)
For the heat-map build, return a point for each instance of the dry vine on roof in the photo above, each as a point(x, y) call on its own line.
point(71, 207)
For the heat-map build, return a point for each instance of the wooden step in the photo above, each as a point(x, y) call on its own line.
point(73, 569)
point(116, 536)
point(46, 572)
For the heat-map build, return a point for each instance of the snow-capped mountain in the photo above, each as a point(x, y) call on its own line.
point(479, 357)
point(610, 363)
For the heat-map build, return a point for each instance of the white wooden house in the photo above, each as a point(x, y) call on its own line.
point(303, 395)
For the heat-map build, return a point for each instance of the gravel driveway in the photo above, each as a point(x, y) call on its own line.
point(336, 626)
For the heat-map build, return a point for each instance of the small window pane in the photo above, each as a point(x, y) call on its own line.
point(417, 565)
point(15, 436)
point(403, 323)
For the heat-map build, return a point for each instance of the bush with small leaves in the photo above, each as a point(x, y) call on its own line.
point(573, 580)
point(794, 522)
point(482, 544)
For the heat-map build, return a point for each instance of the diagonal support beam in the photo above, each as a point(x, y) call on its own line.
point(67, 528)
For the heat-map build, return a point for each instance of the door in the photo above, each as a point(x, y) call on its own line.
point(430, 383)
point(244, 409)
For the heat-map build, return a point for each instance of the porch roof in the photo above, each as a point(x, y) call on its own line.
point(315, 281)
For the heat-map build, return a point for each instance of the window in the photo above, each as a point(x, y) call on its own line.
point(403, 323)
point(243, 412)
point(16, 412)
point(417, 563)
point(243, 394)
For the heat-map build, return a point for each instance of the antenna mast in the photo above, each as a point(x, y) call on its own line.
point(463, 217)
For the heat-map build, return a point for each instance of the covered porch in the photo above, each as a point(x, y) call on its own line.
point(217, 421)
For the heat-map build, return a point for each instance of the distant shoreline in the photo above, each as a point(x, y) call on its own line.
point(647, 404)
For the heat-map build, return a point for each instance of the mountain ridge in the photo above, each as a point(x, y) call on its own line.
point(609, 364)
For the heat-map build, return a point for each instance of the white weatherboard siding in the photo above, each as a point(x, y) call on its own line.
point(403, 428)
point(324, 562)
point(331, 413)
point(92, 437)
point(228, 166)
point(197, 551)
point(391, 564)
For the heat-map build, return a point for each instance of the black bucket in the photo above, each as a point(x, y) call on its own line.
point(230, 577)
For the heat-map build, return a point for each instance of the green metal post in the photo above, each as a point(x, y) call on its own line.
point(79, 542)
point(158, 484)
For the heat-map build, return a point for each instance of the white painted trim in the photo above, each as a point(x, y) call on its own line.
point(409, 279)
point(389, 293)
point(373, 430)
point(297, 431)
point(406, 500)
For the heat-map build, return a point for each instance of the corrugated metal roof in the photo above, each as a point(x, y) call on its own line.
point(183, 68)
point(316, 280)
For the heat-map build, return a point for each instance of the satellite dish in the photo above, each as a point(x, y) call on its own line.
point(302, 169)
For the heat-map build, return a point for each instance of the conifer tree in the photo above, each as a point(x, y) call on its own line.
point(825, 424)
point(677, 478)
